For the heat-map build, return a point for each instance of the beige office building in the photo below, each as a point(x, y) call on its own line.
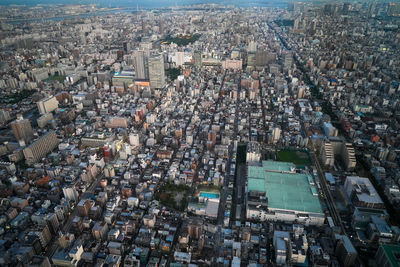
point(41, 147)
point(47, 105)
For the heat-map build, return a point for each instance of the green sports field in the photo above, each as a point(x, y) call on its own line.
point(297, 157)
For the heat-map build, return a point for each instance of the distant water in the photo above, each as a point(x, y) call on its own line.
point(150, 4)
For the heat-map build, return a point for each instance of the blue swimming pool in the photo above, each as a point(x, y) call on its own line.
point(209, 194)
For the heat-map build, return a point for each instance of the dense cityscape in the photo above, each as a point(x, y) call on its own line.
point(200, 135)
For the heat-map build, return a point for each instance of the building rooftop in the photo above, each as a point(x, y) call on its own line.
point(285, 191)
point(364, 189)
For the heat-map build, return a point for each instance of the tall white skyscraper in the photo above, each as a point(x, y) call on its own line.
point(156, 71)
point(276, 134)
point(180, 58)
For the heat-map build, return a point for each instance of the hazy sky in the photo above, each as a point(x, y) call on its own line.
point(145, 3)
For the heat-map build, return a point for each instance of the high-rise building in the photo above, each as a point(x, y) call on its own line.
point(100, 231)
point(41, 147)
point(276, 134)
point(261, 58)
point(301, 91)
point(252, 47)
point(83, 207)
point(47, 104)
point(43, 234)
point(4, 116)
point(197, 58)
point(52, 223)
point(345, 251)
point(251, 59)
point(179, 58)
point(141, 67)
point(253, 152)
point(156, 71)
point(288, 61)
point(127, 47)
point(212, 136)
point(77, 224)
point(290, 6)
point(70, 193)
point(327, 154)
point(22, 129)
point(348, 156)
point(59, 211)
point(134, 139)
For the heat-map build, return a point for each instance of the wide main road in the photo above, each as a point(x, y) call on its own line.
point(224, 193)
